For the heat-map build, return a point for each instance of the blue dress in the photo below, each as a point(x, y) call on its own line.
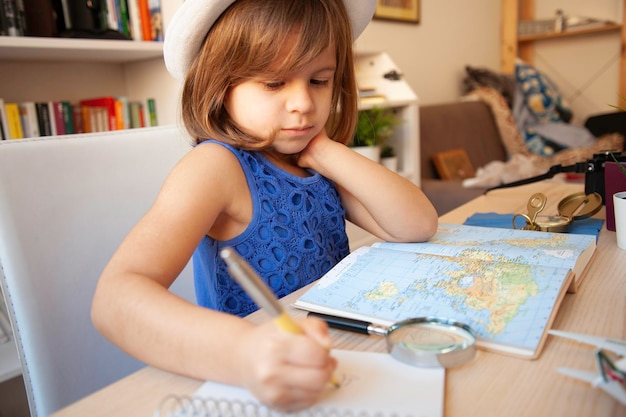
point(297, 233)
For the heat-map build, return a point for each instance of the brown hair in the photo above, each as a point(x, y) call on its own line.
point(246, 41)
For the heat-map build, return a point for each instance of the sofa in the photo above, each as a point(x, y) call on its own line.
point(482, 124)
point(467, 125)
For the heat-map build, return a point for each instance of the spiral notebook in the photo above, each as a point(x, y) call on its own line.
point(371, 385)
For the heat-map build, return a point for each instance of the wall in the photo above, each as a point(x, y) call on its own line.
point(586, 69)
point(456, 33)
point(432, 55)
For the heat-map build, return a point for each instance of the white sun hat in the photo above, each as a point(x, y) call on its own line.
point(193, 19)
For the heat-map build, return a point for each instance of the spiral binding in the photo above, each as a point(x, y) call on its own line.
point(193, 406)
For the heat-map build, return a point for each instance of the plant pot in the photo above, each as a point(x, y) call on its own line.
point(371, 152)
point(390, 163)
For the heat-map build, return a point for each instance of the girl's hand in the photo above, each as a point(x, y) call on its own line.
point(306, 158)
point(286, 371)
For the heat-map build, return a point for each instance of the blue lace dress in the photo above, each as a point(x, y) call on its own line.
point(296, 235)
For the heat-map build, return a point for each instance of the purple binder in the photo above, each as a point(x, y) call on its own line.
point(614, 182)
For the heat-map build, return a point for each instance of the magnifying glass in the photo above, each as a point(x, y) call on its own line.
point(426, 342)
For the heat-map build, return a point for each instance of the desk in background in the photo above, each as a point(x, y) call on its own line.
point(490, 385)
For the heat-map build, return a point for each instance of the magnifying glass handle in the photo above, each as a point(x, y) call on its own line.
point(341, 323)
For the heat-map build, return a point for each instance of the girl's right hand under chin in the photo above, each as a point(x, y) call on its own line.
point(287, 372)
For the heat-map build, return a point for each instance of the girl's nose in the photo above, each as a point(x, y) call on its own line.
point(300, 99)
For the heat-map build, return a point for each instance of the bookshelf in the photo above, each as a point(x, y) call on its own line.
point(514, 45)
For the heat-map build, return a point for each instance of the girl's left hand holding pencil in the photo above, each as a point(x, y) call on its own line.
point(284, 370)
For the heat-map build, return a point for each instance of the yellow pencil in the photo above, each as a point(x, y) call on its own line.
point(261, 294)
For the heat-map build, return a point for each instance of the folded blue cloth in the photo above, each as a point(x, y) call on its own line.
point(587, 226)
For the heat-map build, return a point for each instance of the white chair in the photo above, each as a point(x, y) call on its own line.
point(66, 203)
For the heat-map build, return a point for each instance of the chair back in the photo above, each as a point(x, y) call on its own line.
point(66, 203)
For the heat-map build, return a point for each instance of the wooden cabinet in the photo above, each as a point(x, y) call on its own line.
point(513, 45)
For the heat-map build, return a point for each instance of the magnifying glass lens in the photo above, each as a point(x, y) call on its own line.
point(428, 337)
point(431, 342)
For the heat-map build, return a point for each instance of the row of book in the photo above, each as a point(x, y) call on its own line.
point(32, 119)
point(98, 19)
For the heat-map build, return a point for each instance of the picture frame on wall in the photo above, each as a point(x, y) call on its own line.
point(399, 10)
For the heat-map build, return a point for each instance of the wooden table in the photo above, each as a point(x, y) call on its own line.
point(491, 384)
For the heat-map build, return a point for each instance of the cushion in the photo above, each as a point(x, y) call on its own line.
point(540, 102)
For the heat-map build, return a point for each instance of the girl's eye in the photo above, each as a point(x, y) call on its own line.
point(273, 85)
point(320, 83)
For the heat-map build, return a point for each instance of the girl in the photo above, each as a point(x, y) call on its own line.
point(270, 96)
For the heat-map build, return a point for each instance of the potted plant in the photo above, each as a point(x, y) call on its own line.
point(388, 157)
point(374, 127)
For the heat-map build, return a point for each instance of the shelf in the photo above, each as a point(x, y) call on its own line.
point(9, 361)
point(609, 27)
point(62, 49)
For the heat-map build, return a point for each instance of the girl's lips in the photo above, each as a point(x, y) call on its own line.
point(298, 131)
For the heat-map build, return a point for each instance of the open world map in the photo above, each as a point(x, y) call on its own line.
point(505, 287)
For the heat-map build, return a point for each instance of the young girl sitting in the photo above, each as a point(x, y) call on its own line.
point(270, 98)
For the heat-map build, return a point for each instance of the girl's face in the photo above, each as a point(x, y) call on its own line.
point(292, 108)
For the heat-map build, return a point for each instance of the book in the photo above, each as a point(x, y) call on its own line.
point(68, 117)
point(136, 114)
point(4, 121)
point(14, 122)
point(134, 20)
point(151, 110)
point(78, 125)
point(52, 117)
point(28, 116)
point(371, 384)
point(505, 284)
point(106, 102)
point(43, 115)
point(58, 117)
point(156, 20)
point(144, 18)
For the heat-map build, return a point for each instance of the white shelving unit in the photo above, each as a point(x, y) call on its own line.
point(376, 70)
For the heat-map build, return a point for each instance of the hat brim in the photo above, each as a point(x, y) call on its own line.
point(193, 19)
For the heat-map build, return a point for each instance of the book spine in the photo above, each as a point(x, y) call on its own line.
point(135, 20)
point(144, 16)
point(52, 118)
point(4, 120)
point(10, 14)
point(20, 14)
point(29, 118)
point(59, 121)
point(135, 118)
point(126, 111)
point(43, 115)
point(13, 117)
point(124, 20)
point(111, 15)
point(68, 117)
point(156, 20)
point(119, 115)
point(77, 118)
point(152, 114)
